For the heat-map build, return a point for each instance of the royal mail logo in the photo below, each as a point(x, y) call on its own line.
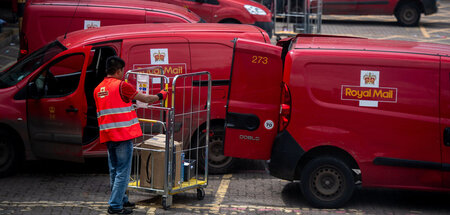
point(102, 93)
point(381, 94)
point(88, 24)
point(369, 78)
point(168, 70)
point(369, 92)
point(159, 56)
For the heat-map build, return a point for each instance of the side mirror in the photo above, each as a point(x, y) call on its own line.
point(34, 92)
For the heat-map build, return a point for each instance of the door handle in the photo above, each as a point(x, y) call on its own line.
point(447, 136)
point(71, 109)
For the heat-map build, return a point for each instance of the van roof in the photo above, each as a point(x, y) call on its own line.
point(129, 4)
point(364, 44)
point(118, 32)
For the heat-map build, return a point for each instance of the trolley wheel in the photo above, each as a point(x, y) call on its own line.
point(327, 182)
point(164, 203)
point(200, 193)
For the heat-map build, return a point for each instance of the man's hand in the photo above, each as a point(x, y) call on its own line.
point(162, 95)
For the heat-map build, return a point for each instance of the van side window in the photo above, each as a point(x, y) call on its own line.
point(61, 78)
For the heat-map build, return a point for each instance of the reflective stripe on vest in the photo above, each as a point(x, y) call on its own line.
point(119, 124)
point(117, 119)
point(114, 111)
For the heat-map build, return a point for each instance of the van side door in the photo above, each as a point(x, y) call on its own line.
point(445, 119)
point(56, 104)
point(253, 105)
point(341, 7)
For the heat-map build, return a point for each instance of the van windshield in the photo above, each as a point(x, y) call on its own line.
point(26, 66)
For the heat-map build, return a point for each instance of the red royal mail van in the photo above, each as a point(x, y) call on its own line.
point(336, 111)
point(48, 110)
point(229, 11)
point(44, 20)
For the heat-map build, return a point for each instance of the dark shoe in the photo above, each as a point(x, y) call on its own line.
point(120, 211)
point(129, 205)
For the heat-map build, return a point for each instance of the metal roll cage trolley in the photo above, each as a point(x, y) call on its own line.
point(292, 17)
point(165, 158)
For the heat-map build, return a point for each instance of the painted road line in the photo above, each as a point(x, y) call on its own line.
point(221, 192)
point(151, 211)
point(424, 31)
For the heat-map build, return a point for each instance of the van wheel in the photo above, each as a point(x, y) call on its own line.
point(218, 163)
point(408, 14)
point(327, 182)
point(9, 155)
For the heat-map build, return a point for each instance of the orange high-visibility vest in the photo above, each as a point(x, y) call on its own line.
point(117, 119)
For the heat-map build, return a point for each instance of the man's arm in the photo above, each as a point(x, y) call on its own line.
point(146, 98)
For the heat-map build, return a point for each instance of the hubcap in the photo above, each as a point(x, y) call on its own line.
point(327, 183)
point(409, 15)
point(215, 157)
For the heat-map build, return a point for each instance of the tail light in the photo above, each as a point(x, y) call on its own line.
point(23, 45)
point(285, 107)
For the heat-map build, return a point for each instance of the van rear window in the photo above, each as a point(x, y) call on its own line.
point(26, 66)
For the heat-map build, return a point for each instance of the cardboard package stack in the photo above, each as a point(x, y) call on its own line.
point(148, 157)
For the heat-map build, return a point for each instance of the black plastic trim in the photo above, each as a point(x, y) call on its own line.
point(286, 153)
point(409, 163)
point(266, 26)
point(213, 83)
point(357, 3)
point(105, 42)
point(429, 7)
point(242, 121)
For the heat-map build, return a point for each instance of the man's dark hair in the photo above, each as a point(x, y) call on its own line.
point(113, 64)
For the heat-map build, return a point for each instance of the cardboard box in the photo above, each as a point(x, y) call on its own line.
point(156, 180)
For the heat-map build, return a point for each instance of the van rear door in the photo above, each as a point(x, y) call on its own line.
point(253, 105)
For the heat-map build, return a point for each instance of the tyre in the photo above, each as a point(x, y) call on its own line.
point(10, 158)
point(408, 14)
point(218, 163)
point(327, 182)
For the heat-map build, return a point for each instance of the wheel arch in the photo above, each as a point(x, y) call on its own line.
point(417, 2)
point(332, 151)
point(230, 20)
point(16, 136)
point(213, 122)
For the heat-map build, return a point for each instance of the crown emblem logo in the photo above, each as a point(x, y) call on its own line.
point(159, 56)
point(369, 78)
point(102, 93)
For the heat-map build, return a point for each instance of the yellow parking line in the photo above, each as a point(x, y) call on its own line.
point(151, 211)
point(424, 31)
point(220, 194)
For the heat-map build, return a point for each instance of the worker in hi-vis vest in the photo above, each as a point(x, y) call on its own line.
point(119, 125)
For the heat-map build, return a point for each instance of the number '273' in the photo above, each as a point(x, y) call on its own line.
point(260, 59)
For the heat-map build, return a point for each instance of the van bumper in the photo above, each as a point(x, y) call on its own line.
point(430, 6)
point(266, 26)
point(286, 153)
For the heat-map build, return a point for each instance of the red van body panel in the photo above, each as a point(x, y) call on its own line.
point(45, 20)
point(382, 106)
point(445, 118)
